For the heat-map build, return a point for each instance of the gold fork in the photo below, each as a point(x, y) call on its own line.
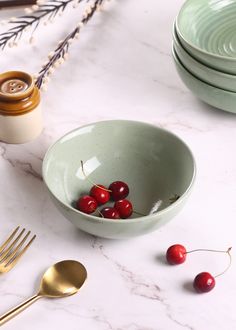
point(10, 251)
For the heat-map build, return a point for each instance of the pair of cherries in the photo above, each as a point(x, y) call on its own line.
point(203, 282)
point(100, 195)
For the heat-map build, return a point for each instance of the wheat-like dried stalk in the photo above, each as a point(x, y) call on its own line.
point(36, 14)
point(60, 54)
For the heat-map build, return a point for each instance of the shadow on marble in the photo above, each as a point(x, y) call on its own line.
point(161, 258)
point(210, 110)
point(188, 287)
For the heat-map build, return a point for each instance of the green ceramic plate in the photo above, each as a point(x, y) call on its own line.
point(155, 163)
point(206, 29)
point(216, 97)
point(203, 72)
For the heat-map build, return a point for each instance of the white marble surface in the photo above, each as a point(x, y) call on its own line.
point(121, 68)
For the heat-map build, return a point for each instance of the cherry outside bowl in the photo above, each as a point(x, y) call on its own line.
point(155, 164)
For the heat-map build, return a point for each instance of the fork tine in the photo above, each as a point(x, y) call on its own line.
point(12, 263)
point(12, 253)
point(8, 249)
point(2, 247)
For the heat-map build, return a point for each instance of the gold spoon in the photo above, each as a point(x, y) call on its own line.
point(60, 280)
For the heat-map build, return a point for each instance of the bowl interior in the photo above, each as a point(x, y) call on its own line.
point(153, 162)
point(209, 26)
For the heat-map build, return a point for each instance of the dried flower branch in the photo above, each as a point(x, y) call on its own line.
point(60, 54)
point(36, 14)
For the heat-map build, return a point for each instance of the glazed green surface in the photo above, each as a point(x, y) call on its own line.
point(155, 164)
point(207, 30)
point(216, 97)
point(203, 72)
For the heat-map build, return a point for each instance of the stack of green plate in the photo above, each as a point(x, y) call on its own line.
point(204, 50)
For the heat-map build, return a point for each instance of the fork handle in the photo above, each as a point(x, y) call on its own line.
point(13, 312)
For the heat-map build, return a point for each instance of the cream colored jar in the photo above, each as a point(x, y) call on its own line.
point(20, 113)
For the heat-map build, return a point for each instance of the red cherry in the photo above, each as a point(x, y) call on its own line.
point(176, 254)
point(119, 190)
point(110, 213)
point(100, 193)
point(124, 207)
point(204, 282)
point(87, 204)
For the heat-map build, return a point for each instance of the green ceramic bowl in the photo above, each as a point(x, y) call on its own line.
point(206, 29)
point(155, 163)
point(203, 72)
point(214, 96)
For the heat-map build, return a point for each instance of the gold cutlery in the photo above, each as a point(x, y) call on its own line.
point(11, 252)
point(60, 280)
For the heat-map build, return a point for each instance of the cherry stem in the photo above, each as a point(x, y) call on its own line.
point(220, 251)
point(94, 184)
point(209, 250)
point(230, 262)
point(100, 213)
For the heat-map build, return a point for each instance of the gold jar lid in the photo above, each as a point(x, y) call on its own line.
point(18, 93)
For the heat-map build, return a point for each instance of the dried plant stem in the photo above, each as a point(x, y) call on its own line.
point(61, 52)
point(21, 24)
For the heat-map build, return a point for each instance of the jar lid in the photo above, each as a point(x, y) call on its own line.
point(18, 93)
point(15, 85)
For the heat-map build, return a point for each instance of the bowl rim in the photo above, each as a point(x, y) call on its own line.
point(176, 58)
point(121, 221)
point(204, 52)
point(209, 69)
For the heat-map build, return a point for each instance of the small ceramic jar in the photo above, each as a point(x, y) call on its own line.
point(20, 113)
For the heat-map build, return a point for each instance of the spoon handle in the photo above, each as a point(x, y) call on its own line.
point(13, 312)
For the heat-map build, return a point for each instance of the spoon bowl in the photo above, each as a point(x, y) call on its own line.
point(63, 279)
